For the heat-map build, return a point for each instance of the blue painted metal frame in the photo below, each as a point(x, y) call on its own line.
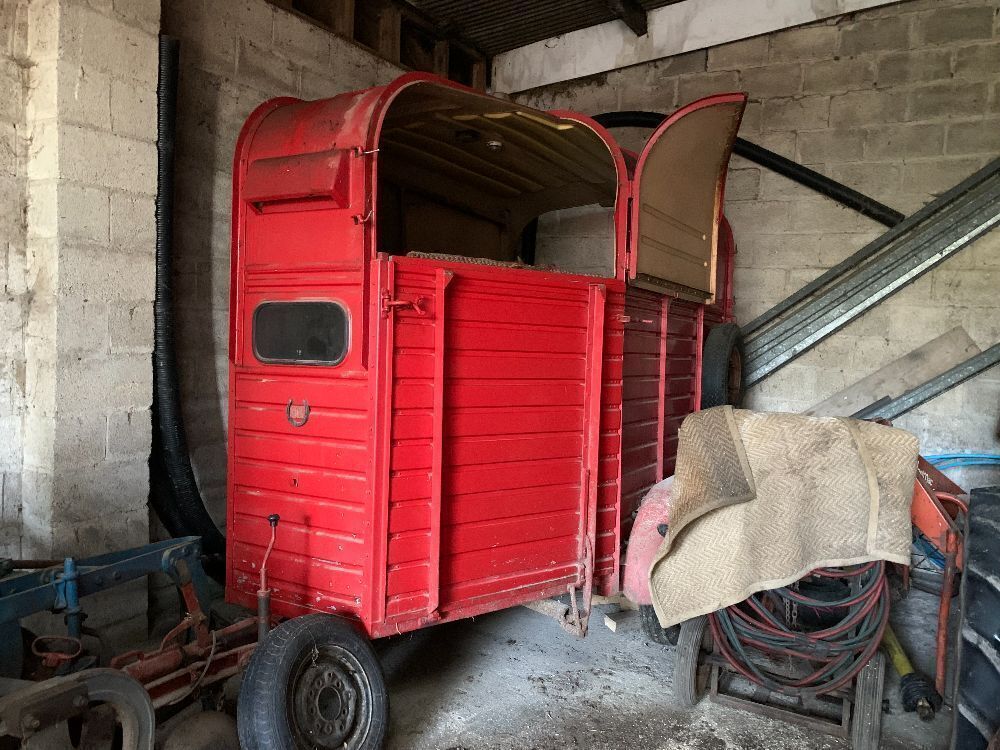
point(60, 589)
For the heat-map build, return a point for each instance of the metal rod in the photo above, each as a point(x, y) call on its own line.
point(264, 593)
point(810, 178)
point(70, 580)
point(944, 611)
point(822, 184)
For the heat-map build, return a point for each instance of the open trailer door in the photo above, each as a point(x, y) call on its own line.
point(677, 198)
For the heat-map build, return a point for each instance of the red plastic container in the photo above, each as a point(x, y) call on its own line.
point(441, 435)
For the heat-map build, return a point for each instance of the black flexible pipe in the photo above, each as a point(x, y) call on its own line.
point(173, 491)
point(776, 162)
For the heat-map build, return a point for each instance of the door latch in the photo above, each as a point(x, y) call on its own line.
point(389, 304)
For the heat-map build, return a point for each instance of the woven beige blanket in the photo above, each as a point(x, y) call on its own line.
point(761, 499)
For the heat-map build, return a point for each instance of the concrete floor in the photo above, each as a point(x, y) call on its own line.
point(515, 680)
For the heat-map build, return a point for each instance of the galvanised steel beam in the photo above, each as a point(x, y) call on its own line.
point(892, 408)
point(883, 267)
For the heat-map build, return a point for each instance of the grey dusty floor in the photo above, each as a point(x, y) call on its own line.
point(514, 679)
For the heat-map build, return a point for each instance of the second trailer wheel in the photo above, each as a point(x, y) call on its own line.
point(690, 672)
point(653, 631)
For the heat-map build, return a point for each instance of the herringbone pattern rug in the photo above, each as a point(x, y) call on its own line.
point(761, 499)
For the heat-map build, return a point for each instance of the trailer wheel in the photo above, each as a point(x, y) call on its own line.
point(722, 367)
point(866, 719)
point(314, 682)
point(690, 674)
point(651, 627)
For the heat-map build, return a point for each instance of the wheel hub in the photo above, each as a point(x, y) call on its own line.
point(326, 704)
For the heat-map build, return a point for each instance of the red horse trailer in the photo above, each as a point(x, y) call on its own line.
point(463, 336)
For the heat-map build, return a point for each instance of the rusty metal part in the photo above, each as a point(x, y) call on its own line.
point(173, 673)
point(944, 611)
point(264, 593)
point(41, 704)
point(55, 650)
point(176, 670)
point(936, 511)
point(36, 712)
point(567, 615)
point(806, 715)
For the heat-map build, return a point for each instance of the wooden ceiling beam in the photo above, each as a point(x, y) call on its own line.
point(389, 27)
point(398, 32)
point(631, 13)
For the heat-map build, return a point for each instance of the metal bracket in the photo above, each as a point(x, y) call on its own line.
point(567, 615)
point(297, 415)
point(388, 305)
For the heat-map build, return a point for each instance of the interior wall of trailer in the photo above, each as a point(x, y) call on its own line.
point(234, 56)
point(900, 102)
point(469, 176)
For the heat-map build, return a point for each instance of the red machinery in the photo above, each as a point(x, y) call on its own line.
point(451, 411)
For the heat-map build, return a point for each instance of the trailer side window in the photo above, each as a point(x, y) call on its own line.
point(314, 333)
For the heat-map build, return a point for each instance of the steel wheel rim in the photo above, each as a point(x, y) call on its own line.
point(330, 701)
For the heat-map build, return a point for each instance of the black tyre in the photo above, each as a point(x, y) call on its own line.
point(313, 684)
point(866, 716)
point(651, 627)
point(722, 367)
point(690, 674)
point(977, 693)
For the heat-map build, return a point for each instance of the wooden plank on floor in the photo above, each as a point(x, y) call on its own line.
point(899, 376)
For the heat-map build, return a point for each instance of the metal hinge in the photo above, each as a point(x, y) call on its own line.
point(389, 304)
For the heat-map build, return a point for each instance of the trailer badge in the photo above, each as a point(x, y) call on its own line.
point(297, 414)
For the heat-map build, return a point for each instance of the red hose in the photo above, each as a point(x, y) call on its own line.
point(750, 624)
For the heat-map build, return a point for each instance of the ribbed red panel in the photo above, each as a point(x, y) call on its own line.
point(683, 371)
point(314, 476)
point(514, 434)
point(642, 398)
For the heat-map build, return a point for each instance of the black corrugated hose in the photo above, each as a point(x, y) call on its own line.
point(174, 493)
point(809, 178)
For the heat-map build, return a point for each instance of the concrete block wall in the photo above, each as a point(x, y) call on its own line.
point(577, 239)
point(234, 56)
point(78, 283)
point(900, 102)
point(14, 66)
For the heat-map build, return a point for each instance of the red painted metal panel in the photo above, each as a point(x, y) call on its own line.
point(513, 431)
point(642, 403)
